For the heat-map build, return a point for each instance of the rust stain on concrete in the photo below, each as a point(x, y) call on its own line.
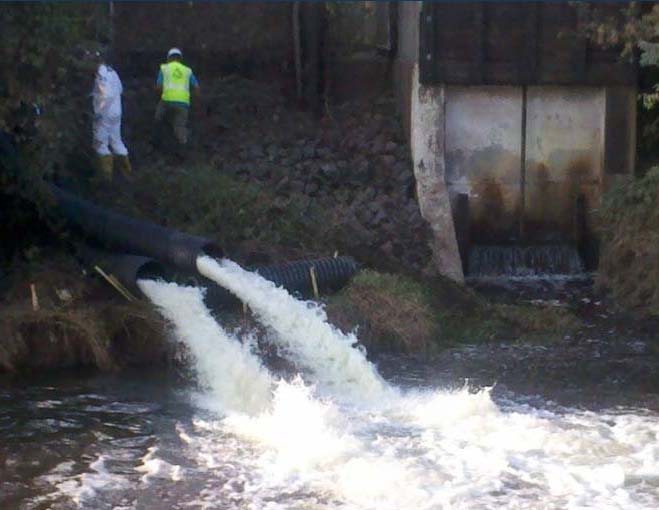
point(494, 209)
point(551, 199)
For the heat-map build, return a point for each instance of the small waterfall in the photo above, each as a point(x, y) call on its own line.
point(235, 377)
point(302, 329)
point(524, 261)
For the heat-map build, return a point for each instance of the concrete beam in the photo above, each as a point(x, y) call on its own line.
point(427, 142)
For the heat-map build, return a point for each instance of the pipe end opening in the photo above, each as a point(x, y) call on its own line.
point(212, 250)
point(152, 270)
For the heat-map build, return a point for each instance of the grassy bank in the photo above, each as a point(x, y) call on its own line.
point(77, 320)
point(399, 313)
point(248, 219)
point(629, 264)
point(72, 320)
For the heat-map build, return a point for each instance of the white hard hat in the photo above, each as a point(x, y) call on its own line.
point(174, 51)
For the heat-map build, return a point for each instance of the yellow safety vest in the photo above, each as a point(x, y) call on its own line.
point(175, 82)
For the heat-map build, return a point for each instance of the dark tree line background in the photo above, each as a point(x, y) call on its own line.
point(44, 106)
point(45, 85)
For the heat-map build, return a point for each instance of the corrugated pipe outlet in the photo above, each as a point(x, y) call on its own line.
point(331, 273)
point(124, 234)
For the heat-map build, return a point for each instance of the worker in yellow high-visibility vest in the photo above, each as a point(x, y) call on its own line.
point(174, 83)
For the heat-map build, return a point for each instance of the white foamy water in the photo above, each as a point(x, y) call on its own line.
point(303, 330)
point(154, 467)
point(235, 377)
point(82, 488)
point(427, 451)
point(293, 447)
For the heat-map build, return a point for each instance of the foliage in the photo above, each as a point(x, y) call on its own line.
point(634, 31)
point(625, 27)
point(354, 25)
point(79, 321)
point(394, 312)
point(398, 313)
point(632, 201)
point(629, 215)
point(201, 200)
point(630, 238)
point(43, 85)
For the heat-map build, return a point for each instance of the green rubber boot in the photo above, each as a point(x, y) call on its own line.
point(123, 163)
point(105, 166)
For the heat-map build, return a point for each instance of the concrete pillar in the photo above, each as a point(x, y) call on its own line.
point(427, 142)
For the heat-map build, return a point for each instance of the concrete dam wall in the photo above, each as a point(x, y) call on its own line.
point(524, 159)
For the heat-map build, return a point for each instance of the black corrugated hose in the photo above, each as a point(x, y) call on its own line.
point(155, 245)
point(118, 232)
point(332, 273)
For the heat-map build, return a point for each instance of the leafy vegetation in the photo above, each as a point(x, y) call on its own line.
point(78, 322)
point(630, 253)
point(634, 30)
point(201, 200)
point(44, 103)
point(393, 312)
point(398, 313)
point(44, 81)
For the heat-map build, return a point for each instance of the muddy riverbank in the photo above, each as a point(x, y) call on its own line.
point(537, 332)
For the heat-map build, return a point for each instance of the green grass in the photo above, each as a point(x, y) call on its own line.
point(399, 313)
point(199, 199)
point(630, 244)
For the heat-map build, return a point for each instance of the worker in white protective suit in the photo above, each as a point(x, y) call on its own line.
point(107, 120)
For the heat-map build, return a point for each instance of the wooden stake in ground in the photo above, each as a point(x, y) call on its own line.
point(314, 283)
point(116, 284)
point(35, 298)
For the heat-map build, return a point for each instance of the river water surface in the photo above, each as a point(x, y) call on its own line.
point(147, 441)
point(333, 431)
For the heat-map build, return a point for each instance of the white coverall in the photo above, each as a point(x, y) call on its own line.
point(107, 113)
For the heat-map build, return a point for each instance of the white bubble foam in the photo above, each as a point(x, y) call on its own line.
point(302, 328)
point(235, 377)
point(153, 467)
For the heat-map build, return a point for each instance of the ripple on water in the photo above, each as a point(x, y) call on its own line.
point(418, 450)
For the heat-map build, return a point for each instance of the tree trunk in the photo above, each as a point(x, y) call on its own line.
point(312, 39)
point(298, 49)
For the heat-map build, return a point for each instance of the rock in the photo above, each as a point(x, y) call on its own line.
point(374, 206)
point(273, 152)
point(390, 147)
point(308, 151)
point(378, 145)
point(412, 210)
point(379, 217)
point(329, 169)
point(295, 154)
point(369, 194)
point(388, 161)
point(364, 215)
point(387, 248)
point(342, 196)
point(312, 188)
point(297, 186)
point(64, 295)
point(255, 151)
